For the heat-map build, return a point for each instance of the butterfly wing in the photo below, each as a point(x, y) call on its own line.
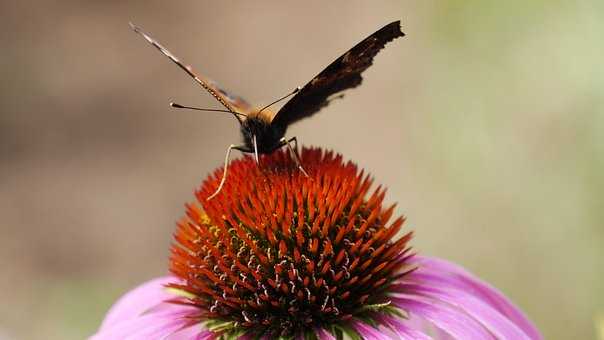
point(231, 102)
point(344, 73)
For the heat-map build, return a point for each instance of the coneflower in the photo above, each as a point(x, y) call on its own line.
point(277, 254)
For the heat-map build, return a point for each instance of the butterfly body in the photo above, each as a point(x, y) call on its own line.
point(268, 136)
point(263, 131)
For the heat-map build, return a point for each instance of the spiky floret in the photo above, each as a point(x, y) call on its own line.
point(278, 253)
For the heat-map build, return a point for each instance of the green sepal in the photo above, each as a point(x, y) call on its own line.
point(376, 307)
point(180, 292)
point(232, 334)
point(218, 326)
point(394, 311)
point(341, 329)
point(310, 334)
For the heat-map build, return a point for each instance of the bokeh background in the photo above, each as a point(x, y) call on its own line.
point(486, 124)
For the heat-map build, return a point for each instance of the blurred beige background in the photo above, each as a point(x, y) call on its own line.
point(486, 123)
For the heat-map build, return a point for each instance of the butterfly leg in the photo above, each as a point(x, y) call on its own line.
point(294, 152)
point(295, 140)
point(255, 149)
point(226, 166)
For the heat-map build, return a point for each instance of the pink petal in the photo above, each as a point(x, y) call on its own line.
point(138, 301)
point(491, 319)
point(400, 328)
point(447, 274)
point(143, 314)
point(206, 335)
point(193, 332)
point(156, 325)
point(453, 322)
point(367, 332)
point(322, 334)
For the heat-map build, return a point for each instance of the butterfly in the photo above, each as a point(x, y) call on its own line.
point(263, 131)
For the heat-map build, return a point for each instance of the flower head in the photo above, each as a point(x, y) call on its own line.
point(280, 254)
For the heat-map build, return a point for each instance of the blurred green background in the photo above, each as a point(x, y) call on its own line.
point(486, 123)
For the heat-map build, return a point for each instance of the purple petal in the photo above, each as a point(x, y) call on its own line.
point(138, 301)
point(400, 328)
point(490, 318)
point(367, 332)
point(453, 322)
point(447, 274)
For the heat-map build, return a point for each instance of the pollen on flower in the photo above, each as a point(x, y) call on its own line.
point(276, 252)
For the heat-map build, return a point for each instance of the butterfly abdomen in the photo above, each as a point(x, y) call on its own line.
point(268, 137)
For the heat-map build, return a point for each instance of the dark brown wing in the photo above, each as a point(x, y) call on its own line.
point(344, 73)
point(231, 102)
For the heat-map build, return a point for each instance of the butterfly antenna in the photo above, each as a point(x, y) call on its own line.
point(179, 106)
point(280, 99)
